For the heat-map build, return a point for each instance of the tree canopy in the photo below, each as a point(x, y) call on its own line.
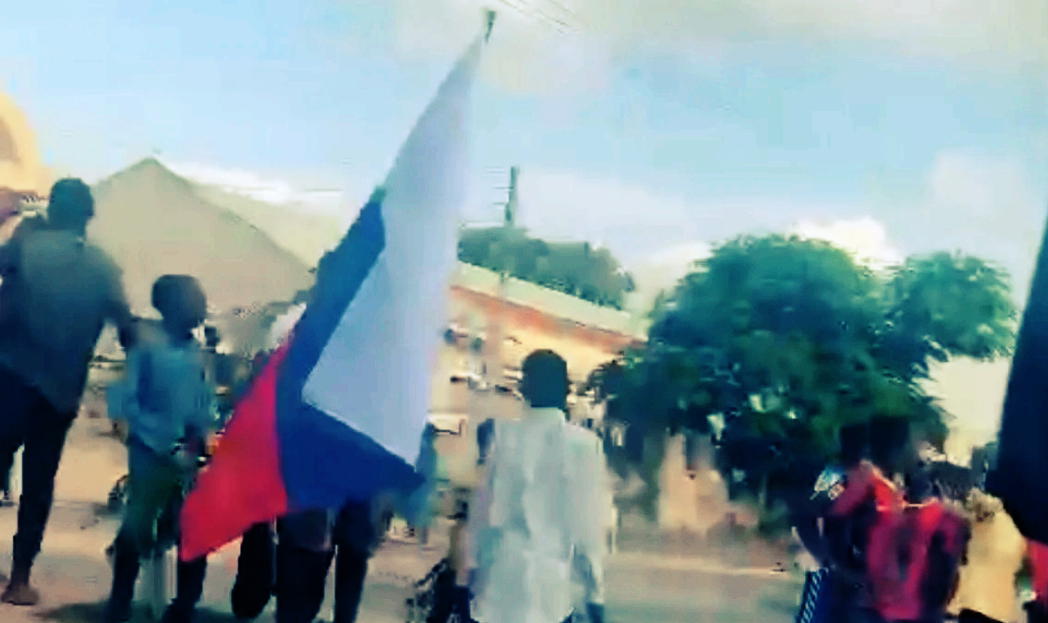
point(578, 269)
point(775, 342)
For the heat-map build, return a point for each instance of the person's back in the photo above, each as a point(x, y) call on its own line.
point(58, 292)
point(165, 393)
point(539, 523)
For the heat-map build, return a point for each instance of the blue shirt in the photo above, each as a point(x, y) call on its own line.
point(165, 395)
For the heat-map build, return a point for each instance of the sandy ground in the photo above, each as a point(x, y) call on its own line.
point(648, 581)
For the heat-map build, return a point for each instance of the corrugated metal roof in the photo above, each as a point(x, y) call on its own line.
point(557, 304)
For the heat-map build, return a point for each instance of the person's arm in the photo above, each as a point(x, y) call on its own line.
point(10, 248)
point(593, 518)
point(7, 258)
point(478, 529)
point(118, 312)
point(808, 507)
point(204, 417)
point(122, 396)
point(857, 490)
point(807, 526)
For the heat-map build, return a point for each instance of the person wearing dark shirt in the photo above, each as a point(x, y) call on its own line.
point(831, 539)
point(57, 293)
point(308, 543)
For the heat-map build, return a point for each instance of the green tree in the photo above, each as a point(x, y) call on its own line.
point(774, 342)
point(574, 268)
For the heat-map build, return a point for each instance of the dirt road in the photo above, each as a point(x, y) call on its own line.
point(74, 577)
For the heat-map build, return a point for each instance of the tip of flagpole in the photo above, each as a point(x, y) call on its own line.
point(489, 22)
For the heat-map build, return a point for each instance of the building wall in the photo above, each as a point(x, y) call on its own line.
point(526, 329)
point(460, 406)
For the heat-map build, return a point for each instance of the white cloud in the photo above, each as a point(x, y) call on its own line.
point(989, 206)
point(257, 186)
point(977, 185)
point(865, 238)
point(685, 254)
point(553, 45)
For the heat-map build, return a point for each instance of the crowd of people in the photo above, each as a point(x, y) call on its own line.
point(528, 544)
point(893, 545)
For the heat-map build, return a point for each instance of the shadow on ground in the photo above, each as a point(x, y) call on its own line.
point(92, 613)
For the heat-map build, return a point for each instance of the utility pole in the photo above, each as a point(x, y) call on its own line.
point(496, 324)
point(486, 404)
point(509, 214)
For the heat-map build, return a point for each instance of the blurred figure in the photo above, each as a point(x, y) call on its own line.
point(424, 498)
point(169, 407)
point(538, 525)
point(912, 542)
point(995, 553)
point(5, 499)
point(309, 542)
point(10, 206)
point(928, 546)
point(256, 572)
point(834, 591)
point(485, 433)
point(58, 291)
point(1037, 610)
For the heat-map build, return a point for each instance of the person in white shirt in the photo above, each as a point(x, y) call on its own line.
point(539, 520)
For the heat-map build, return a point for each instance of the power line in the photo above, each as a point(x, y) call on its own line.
point(537, 13)
point(564, 8)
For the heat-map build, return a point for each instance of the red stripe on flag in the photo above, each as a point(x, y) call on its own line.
point(243, 484)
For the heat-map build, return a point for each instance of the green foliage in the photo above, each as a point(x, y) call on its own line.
point(575, 268)
point(784, 340)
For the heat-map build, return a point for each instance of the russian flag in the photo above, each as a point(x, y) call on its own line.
point(337, 412)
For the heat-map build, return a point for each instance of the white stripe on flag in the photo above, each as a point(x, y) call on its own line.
point(374, 373)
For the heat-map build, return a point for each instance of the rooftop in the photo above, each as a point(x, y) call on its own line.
point(557, 304)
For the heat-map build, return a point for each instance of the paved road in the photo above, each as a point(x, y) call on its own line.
point(74, 577)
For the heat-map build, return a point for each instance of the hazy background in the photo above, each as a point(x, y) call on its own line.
point(653, 127)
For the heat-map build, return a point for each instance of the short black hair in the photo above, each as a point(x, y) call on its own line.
point(544, 381)
point(180, 300)
point(854, 442)
point(890, 442)
point(70, 205)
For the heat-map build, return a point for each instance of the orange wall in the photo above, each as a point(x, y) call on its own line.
point(583, 347)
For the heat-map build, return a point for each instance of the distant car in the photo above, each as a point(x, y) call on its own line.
point(449, 423)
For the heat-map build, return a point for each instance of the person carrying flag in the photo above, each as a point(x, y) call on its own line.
point(336, 414)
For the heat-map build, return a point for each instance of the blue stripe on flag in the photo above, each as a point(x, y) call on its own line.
point(323, 461)
point(340, 274)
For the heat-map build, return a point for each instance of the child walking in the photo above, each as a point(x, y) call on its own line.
point(168, 405)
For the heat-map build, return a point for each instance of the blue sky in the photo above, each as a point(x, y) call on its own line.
point(682, 122)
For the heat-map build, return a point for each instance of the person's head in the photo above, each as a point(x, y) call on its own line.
point(920, 486)
point(181, 302)
point(544, 382)
point(853, 440)
point(891, 448)
point(71, 205)
point(212, 337)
